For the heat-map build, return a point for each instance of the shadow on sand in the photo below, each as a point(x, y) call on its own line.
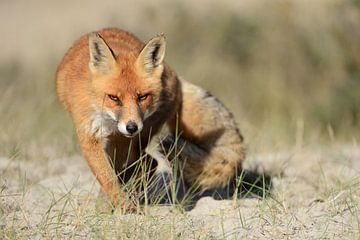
point(247, 184)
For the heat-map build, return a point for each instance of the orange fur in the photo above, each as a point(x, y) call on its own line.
point(110, 79)
point(84, 94)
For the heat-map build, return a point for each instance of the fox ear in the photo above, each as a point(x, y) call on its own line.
point(152, 55)
point(102, 59)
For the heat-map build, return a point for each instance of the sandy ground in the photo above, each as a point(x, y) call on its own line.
point(315, 195)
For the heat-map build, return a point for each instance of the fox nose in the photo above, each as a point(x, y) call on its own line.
point(131, 127)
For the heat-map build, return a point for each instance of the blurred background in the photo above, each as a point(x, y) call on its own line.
point(289, 70)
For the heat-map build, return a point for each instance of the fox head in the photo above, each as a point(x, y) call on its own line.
point(126, 86)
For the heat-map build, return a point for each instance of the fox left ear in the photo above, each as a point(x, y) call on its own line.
point(152, 55)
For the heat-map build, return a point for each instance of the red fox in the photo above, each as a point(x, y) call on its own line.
point(120, 92)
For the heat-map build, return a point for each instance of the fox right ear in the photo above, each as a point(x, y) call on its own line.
point(102, 59)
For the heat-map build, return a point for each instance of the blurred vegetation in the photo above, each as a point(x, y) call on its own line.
point(289, 70)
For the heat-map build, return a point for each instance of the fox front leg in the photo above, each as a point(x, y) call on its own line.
point(100, 166)
point(158, 190)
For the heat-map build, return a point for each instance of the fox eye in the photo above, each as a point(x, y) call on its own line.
point(113, 98)
point(143, 97)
